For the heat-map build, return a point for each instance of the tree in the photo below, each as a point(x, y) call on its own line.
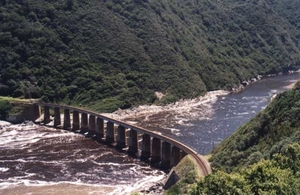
point(222, 183)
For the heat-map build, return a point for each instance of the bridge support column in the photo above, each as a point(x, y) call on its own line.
point(133, 142)
point(36, 111)
point(46, 114)
point(166, 155)
point(182, 155)
point(175, 156)
point(156, 150)
point(57, 120)
point(100, 128)
point(92, 123)
point(67, 119)
point(146, 147)
point(110, 132)
point(84, 122)
point(121, 139)
point(75, 120)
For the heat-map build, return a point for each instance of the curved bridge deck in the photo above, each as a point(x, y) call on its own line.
point(157, 148)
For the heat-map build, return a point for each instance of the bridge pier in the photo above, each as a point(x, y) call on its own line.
point(76, 123)
point(161, 150)
point(121, 139)
point(84, 122)
point(36, 111)
point(57, 120)
point(67, 119)
point(156, 150)
point(46, 114)
point(166, 155)
point(133, 142)
point(146, 147)
point(110, 132)
point(182, 155)
point(92, 123)
point(100, 128)
point(175, 158)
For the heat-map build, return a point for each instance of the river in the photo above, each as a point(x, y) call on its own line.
point(40, 160)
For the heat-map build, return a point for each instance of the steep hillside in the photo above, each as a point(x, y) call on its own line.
point(270, 132)
point(262, 156)
point(110, 54)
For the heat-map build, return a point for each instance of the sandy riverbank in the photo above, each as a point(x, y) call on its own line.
point(57, 189)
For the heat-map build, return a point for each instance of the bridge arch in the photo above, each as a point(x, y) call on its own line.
point(154, 147)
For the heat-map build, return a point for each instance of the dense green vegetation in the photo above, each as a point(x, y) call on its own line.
point(12, 106)
point(270, 132)
point(262, 156)
point(109, 54)
point(5, 107)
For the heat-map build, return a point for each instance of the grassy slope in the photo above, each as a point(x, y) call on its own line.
point(188, 172)
point(110, 54)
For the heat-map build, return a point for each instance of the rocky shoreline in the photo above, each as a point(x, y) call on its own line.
point(240, 87)
point(156, 189)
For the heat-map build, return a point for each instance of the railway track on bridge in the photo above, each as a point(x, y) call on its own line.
point(202, 163)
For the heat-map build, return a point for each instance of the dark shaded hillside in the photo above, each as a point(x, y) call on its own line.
point(109, 54)
point(270, 132)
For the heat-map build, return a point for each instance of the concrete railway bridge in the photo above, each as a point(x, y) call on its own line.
point(156, 148)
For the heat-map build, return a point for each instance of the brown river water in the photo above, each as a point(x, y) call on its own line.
point(41, 160)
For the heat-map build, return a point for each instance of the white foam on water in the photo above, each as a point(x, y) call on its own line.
point(112, 164)
point(179, 112)
point(141, 184)
point(4, 123)
point(4, 169)
point(19, 136)
point(39, 183)
point(243, 113)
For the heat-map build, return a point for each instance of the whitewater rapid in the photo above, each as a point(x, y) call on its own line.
point(35, 160)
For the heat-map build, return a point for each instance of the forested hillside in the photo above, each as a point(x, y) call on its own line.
point(270, 132)
point(262, 156)
point(109, 54)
